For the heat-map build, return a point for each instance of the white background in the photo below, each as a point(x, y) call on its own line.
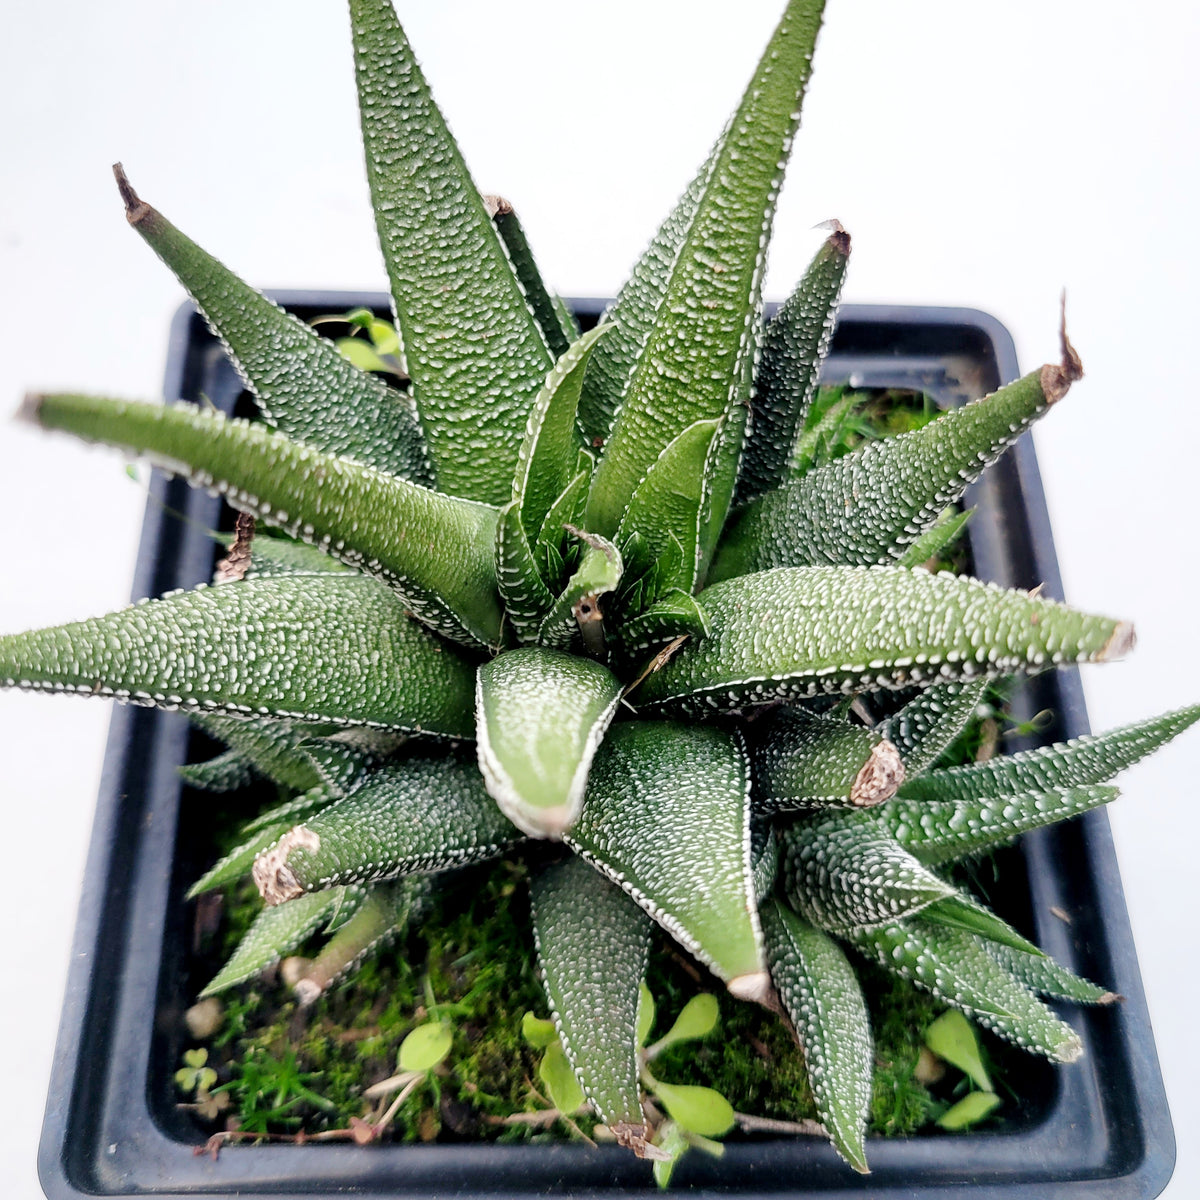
point(981, 155)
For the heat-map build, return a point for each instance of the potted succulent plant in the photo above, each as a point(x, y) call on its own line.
point(590, 591)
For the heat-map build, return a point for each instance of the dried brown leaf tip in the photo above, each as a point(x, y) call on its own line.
point(136, 209)
point(838, 238)
point(496, 206)
point(275, 880)
point(1058, 377)
point(881, 775)
point(237, 562)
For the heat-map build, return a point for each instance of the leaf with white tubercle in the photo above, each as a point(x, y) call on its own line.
point(798, 632)
point(674, 614)
point(963, 911)
point(547, 459)
point(794, 345)
point(803, 760)
point(843, 873)
point(434, 550)
point(225, 773)
point(667, 817)
point(936, 539)
point(540, 714)
point(232, 866)
point(1041, 974)
point(939, 831)
point(375, 917)
point(667, 504)
point(578, 610)
point(593, 943)
point(519, 577)
point(304, 386)
point(274, 932)
point(283, 556)
point(924, 729)
point(822, 997)
point(696, 357)
point(272, 748)
point(344, 760)
point(869, 506)
point(293, 809)
point(421, 815)
point(332, 649)
point(955, 966)
point(1087, 760)
point(825, 429)
point(475, 352)
point(566, 511)
point(552, 315)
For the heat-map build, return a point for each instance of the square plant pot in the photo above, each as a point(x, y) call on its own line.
point(1097, 1128)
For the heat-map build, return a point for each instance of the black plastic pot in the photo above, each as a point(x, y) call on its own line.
point(1098, 1128)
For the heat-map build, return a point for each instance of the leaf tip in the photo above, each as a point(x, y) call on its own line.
point(136, 209)
point(880, 777)
point(1120, 643)
point(754, 985)
point(839, 238)
point(275, 880)
point(1056, 378)
point(30, 409)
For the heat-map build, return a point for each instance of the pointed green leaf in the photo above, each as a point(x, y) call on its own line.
point(518, 575)
point(343, 761)
point(1094, 758)
point(965, 912)
point(425, 1046)
point(540, 714)
point(764, 856)
point(225, 773)
point(805, 631)
point(697, 1109)
point(667, 818)
point(970, 1110)
point(939, 831)
point(806, 761)
point(579, 611)
point(821, 994)
point(825, 428)
point(270, 747)
point(698, 353)
point(232, 866)
point(934, 540)
point(843, 873)
point(593, 943)
point(793, 348)
point(272, 555)
point(552, 316)
point(928, 725)
point(951, 1037)
point(1043, 975)
point(566, 511)
point(337, 649)
point(373, 919)
point(437, 552)
point(304, 386)
point(474, 350)
point(954, 966)
point(290, 810)
point(869, 506)
point(275, 931)
point(668, 502)
point(672, 615)
point(424, 814)
point(550, 449)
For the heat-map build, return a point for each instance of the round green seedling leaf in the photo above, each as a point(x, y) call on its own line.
point(561, 1085)
point(970, 1110)
point(425, 1047)
point(362, 354)
point(698, 1109)
point(645, 1013)
point(698, 1019)
point(537, 1031)
point(952, 1037)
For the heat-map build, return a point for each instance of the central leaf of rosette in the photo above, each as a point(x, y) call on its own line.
point(540, 714)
